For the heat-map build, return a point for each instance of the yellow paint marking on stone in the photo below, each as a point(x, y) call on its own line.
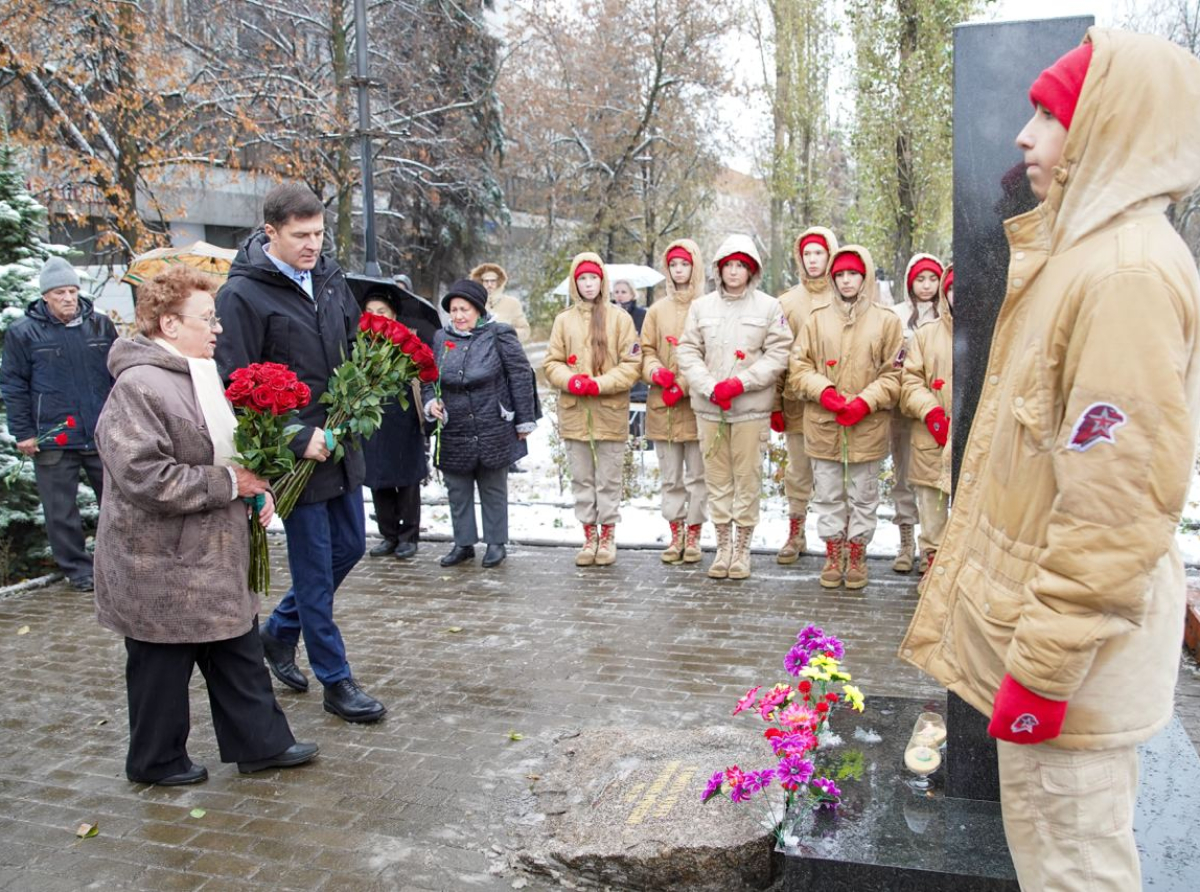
point(680, 784)
point(648, 801)
point(634, 792)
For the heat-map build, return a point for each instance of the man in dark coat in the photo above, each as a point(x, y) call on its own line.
point(55, 380)
point(286, 302)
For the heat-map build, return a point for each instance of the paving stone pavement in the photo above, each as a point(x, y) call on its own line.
point(435, 796)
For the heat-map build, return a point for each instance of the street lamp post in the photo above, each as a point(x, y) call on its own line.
point(363, 84)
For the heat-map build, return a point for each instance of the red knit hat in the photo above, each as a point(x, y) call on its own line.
point(1058, 87)
point(588, 266)
point(811, 238)
point(924, 265)
point(848, 260)
point(746, 259)
point(681, 253)
point(948, 279)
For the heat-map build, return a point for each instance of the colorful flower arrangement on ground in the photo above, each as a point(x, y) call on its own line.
point(798, 716)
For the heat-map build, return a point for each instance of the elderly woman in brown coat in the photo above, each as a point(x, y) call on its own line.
point(173, 544)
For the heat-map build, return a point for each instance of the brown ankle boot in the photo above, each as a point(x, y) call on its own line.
point(739, 566)
point(719, 569)
point(586, 556)
point(835, 563)
point(856, 563)
point(673, 553)
point(795, 544)
point(606, 550)
point(691, 548)
point(908, 549)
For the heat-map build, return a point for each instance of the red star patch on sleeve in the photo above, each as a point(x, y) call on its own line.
point(1097, 424)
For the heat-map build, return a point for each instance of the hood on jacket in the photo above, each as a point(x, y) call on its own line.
point(477, 274)
point(737, 244)
point(908, 302)
point(40, 312)
point(1134, 139)
point(252, 261)
point(868, 283)
point(944, 301)
point(126, 353)
point(696, 283)
point(830, 240)
point(604, 295)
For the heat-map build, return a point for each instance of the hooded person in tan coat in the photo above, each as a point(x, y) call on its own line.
point(1056, 603)
point(926, 398)
point(733, 350)
point(670, 421)
point(502, 307)
point(594, 358)
point(844, 361)
point(814, 250)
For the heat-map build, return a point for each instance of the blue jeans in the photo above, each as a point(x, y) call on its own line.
point(325, 541)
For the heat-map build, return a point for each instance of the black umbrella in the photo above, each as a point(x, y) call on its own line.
point(411, 309)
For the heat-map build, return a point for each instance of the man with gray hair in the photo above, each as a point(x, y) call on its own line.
point(54, 379)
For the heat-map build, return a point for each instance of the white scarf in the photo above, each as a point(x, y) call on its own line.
point(210, 395)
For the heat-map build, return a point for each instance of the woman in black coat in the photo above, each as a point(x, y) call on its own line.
point(396, 465)
point(487, 407)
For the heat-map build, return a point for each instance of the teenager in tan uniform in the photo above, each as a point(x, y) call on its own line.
point(670, 421)
point(502, 307)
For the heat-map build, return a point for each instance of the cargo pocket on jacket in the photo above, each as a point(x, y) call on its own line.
point(1024, 430)
point(752, 331)
point(1081, 800)
point(985, 614)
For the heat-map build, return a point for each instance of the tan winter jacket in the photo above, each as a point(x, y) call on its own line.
point(1059, 564)
point(925, 384)
point(797, 304)
point(665, 319)
point(926, 310)
point(571, 338)
point(861, 340)
point(503, 308)
point(718, 327)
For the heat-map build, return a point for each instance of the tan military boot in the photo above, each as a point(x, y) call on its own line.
point(835, 563)
point(908, 550)
point(606, 550)
point(673, 553)
point(739, 566)
point(719, 569)
point(795, 544)
point(856, 563)
point(586, 556)
point(691, 547)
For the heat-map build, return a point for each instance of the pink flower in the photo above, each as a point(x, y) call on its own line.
point(747, 701)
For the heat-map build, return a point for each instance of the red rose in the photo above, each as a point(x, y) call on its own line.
point(410, 344)
point(423, 356)
point(379, 325)
point(364, 322)
point(71, 422)
point(428, 374)
point(61, 439)
point(262, 399)
point(303, 394)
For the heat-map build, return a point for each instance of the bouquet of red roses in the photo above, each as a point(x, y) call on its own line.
point(386, 356)
point(265, 397)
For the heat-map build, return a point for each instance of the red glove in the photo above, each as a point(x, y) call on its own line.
point(936, 421)
point(832, 400)
point(1021, 716)
point(582, 385)
point(591, 388)
point(663, 377)
point(725, 391)
point(672, 394)
point(777, 423)
point(856, 410)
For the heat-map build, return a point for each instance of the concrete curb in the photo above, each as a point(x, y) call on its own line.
point(30, 584)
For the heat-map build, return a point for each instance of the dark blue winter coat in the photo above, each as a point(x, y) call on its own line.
point(52, 370)
point(488, 390)
point(267, 317)
point(395, 453)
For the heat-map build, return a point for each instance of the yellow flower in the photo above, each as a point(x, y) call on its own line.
point(815, 673)
point(839, 676)
point(853, 696)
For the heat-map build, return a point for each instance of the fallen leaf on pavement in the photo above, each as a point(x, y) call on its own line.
point(515, 735)
point(86, 831)
point(454, 629)
point(197, 813)
point(24, 630)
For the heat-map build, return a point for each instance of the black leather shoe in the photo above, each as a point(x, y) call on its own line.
point(384, 548)
point(494, 556)
point(458, 554)
point(296, 754)
point(195, 774)
point(281, 660)
point(83, 584)
point(406, 550)
point(348, 701)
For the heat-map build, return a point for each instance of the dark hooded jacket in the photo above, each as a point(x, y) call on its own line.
point(267, 317)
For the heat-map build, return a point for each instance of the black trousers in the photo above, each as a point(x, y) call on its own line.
point(247, 719)
point(398, 512)
point(57, 475)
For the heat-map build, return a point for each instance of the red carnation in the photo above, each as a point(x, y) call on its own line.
point(71, 422)
point(938, 384)
point(804, 687)
point(740, 354)
point(831, 363)
point(572, 359)
point(772, 733)
point(672, 340)
point(61, 439)
point(831, 697)
point(450, 345)
point(822, 708)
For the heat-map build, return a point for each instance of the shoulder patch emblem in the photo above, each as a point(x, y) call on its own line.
point(1097, 424)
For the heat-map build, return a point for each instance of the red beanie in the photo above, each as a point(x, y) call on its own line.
point(681, 253)
point(1058, 87)
point(809, 239)
point(948, 279)
point(924, 265)
point(848, 260)
point(749, 261)
point(588, 266)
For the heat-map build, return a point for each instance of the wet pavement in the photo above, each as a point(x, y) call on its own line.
point(481, 670)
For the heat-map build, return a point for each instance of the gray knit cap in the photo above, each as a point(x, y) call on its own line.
point(57, 273)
